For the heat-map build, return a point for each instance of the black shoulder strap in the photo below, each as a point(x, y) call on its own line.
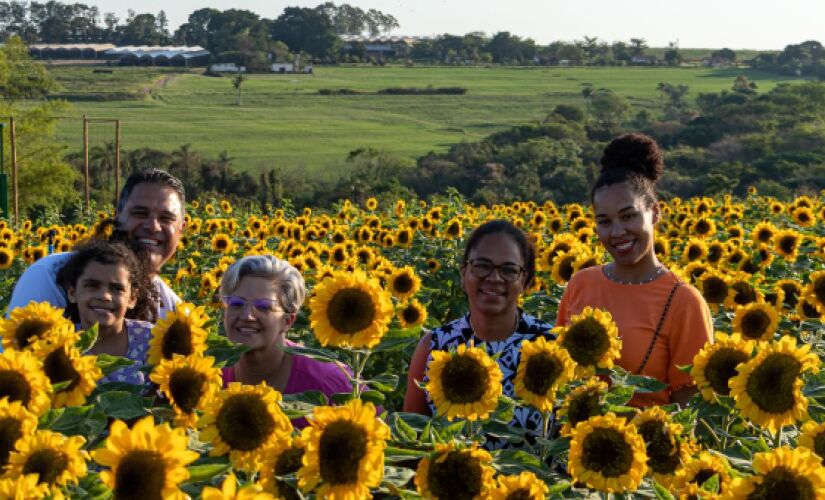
point(659, 327)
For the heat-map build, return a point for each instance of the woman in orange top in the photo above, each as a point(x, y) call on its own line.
point(637, 289)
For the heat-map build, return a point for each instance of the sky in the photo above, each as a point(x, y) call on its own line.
point(737, 24)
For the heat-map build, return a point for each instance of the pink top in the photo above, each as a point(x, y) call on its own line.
point(307, 374)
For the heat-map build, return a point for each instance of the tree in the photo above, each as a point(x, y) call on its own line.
point(509, 48)
point(638, 47)
point(237, 82)
point(306, 30)
point(143, 29)
point(609, 109)
point(724, 55)
point(672, 55)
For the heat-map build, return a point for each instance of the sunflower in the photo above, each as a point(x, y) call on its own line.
point(452, 473)
point(22, 379)
point(411, 314)
point(716, 363)
point(699, 469)
point(786, 244)
point(525, 486)
point(767, 388)
point(15, 422)
point(808, 308)
point(563, 266)
point(27, 487)
point(696, 249)
point(222, 243)
point(350, 310)
point(282, 459)
point(804, 216)
point(229, 491)
point(703, 227)
point(607, 454)
point(714, 288)
point(243, 420)
point(58, 460)
point(816, 289)
point(433, 265)
point(662, 437)
point(453, 229)
point(188, 382)
point(543, 367)
point(146, 461)
point(812, 437)
point(465, 383)
point(744, 292)
point(592, 340)
point(763, 232)
point(371, 204)
point(180, 332)
point(6, 258)
point(783, 473)
point(583, 402)
point(344, 454)
point(26, 325)
point(756, 321)
point(403, 283)
point(62, 362)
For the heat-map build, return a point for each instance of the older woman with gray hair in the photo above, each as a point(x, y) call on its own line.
point(261, 295)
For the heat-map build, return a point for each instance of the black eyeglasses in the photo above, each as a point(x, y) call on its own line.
point(482, 268)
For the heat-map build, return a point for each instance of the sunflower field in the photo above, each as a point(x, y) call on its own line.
point(380, 275)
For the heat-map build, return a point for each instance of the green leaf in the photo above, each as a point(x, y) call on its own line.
point(645, 384)
point(341, 397)
point(392, 344)
point(554, 447)
point(122, 405)
point(515, 461)
point(661, 492)
point(225, 352)
point(450, 431)
point(397, 476)
point(712, 484)
point(108, 363)
point(198, 473)
point(386, 382)
point(311, 352)
point(404, 431)
point(87, 339)
point(619, 395)
point(298, 405)
point(685, 369)
point(61, 385)
point(374, 397)
point(394, 455)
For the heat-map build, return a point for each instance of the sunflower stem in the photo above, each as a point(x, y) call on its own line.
point(777, 438)
point(547, 417)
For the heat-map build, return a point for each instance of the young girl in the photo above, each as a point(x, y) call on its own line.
point(107, 285)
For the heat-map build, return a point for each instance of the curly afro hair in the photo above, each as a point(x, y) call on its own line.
point(635, 159)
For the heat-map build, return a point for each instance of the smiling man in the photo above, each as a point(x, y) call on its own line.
point(149, 216)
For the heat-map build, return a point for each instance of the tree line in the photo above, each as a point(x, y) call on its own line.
point(803, 59)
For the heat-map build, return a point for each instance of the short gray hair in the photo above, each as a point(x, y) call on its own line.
point(291, 287)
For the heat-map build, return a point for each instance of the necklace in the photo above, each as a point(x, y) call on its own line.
point(608, 271)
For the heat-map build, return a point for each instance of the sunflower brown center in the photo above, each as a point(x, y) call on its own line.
point(59, 368)
point(5, 258)
point(662, 452)
point(464, 380)
point(715, 290)
point(586, 341)
point(459, 476)
point(244, 422)
point(771, 384)
point(288, 462)
point(819, 289)
point(186, 387)
point(411, 315)
point(809, 310)
point(177, 340)
point(605, 451)
point(694, 252)
point(541, 373)
point(721, 367)
point(350, 311)
point(714, 253)
point(702, 227)
point(48, 464)
point(566, 267)
point(764, 235)
point(342, 446)
point(788, 244)
point(140, 476)
point(520, 494)
point(221, 243)
point(755, 324)
point(791, 294)
point(745, 293)
point(584, 406)
point(30, 328)
point(782, 482)
point(15, 386)
point(403, 283)
point(703, 475)
point(10, 432)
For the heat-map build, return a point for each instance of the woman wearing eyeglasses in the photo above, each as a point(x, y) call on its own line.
point(262, 295)
point(497, 266)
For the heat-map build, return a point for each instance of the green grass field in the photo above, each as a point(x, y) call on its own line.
point(284, 122)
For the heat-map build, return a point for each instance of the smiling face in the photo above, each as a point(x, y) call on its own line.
point(254, 328)
point(625, 224)
point(492, 296)
point(103, 294)
point(153, 219)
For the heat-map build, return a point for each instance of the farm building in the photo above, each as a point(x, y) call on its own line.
point(380, 46)
point(159, 56)
point(227, 68)
point(69, 50)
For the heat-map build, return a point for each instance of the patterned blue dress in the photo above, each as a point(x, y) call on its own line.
point(448, 337)
point(140, 332)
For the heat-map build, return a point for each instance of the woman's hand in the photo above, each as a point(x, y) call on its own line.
point(415, 401)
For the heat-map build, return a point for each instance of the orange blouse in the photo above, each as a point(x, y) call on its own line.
point(636, 309)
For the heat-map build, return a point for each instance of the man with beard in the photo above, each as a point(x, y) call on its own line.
point(149, 217)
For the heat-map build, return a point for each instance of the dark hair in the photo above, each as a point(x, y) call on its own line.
point(635, 159)
point(151, 176)
point(111, 252)
point(525, 247)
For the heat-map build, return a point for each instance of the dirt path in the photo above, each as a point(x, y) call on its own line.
point(156, 85)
